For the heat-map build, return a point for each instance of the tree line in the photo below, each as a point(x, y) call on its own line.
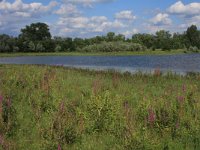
point(36, 37)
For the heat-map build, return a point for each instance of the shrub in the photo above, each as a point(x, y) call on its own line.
point(113, 47)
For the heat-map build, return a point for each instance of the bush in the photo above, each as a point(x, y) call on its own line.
point(193, 49)
point(113, 47)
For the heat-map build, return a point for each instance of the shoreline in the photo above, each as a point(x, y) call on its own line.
point(147, 52)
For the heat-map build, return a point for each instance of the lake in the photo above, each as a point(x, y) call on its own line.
point(175, 63)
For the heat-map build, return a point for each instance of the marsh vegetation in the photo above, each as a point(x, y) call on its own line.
point(43, 107)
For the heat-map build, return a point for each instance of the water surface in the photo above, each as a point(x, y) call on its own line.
point(175, 63)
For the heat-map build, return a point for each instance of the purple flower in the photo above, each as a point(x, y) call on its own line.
point(59, 147)
point(1, 98)
point(184, 88)
point(180, 99)
point(9, 103)
point(1, 139)
point(177, 125)
point(151, 116)
point(126, 104)
point(62, 106)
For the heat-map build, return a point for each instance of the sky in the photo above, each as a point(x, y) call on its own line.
point(89, 18)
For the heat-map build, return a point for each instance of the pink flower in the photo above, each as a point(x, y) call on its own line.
point(62, 106)
point(180, 99)
point(9, 102)
point(1, 98)
point(184, 88)
point(151, 116)
point(59, 147)
point(1, 140)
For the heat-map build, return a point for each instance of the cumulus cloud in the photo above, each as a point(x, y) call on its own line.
point(125, 15)
point(179, 8)
point(14, 15)
point(130, 32)
point(86, 25)
point(161, 19)
point(68, 10)
point(189, 13)
point(18, 8)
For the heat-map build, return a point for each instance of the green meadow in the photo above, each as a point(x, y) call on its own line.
point(50, 108)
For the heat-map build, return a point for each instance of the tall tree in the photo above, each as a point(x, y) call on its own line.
point(193, 36)
point(163, 40)
point(36, 32)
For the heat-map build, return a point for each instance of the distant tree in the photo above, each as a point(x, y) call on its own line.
point(193, 36)
point(8, 43)
point(36, 32)
point(110, 36)
point(31, 46)
point(147, 40)
point(79, 43)
point(119, 37)
point(163, 40)
point(39, 47)
point(178, 41)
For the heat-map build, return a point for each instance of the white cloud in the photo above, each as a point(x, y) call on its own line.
point(188, 13)
point(161, 19)
point(14, 15)
point(125, 15)
point(18, 8)
point(86, 25)
point(129, 33)
point(68, 10)
point(179, 8)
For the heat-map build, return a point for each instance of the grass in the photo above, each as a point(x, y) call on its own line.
point(43, 107)
point(148, 52)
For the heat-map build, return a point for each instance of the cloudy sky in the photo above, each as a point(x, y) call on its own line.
point(87, 18)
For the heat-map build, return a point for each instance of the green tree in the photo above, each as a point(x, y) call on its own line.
point(147, 40)
point(163, 40)
point(110, 36)
point(193, 36)
point(36, 32)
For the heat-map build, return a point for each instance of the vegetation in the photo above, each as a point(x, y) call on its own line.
point(43, 107)
point(82, 53)
point(113, 47)
point(37, 38)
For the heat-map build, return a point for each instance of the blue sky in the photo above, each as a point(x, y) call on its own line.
point(87, 18)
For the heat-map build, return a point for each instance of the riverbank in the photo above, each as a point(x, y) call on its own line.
point(147, 52)
point(45, 107)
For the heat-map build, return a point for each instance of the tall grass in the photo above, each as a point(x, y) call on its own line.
point(44, 107)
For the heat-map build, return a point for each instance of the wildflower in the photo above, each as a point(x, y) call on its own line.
point(184, 88)
point(59, 147)
point(151, 116)
point(1, 98)
point(1, 140)
point(180, 99)
point(177, 125)
point(126, 104)
point(9, 103)
point(62, 106)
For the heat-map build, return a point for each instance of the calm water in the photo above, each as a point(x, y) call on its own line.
point(175, 63)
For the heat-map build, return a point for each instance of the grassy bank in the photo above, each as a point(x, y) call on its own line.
point(44, 107)
point(147, 52)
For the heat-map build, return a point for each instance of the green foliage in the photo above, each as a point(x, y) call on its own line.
point(36, 37)
point(35, 32)
point(113, 47)
point(43, 107)
point(193, 36)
